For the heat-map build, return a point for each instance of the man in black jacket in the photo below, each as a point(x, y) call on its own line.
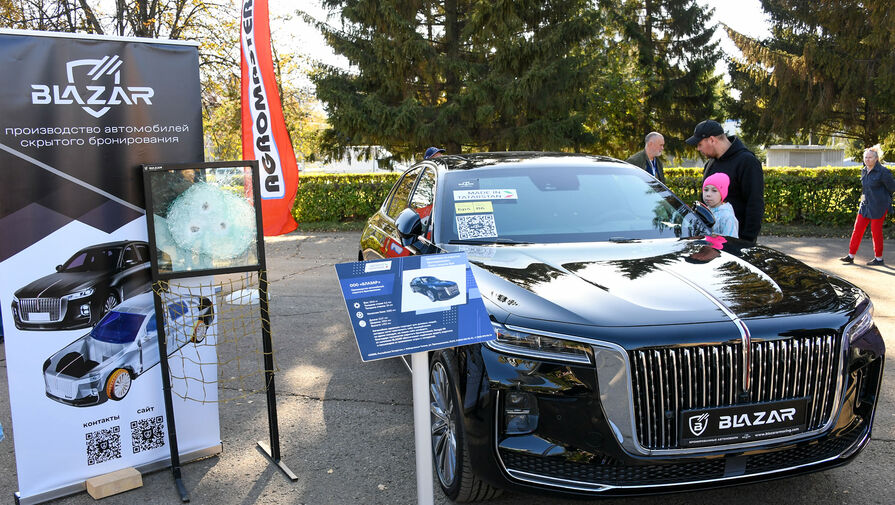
point(728, 155)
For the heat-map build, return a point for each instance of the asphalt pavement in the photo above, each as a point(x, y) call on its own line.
point(346, 426)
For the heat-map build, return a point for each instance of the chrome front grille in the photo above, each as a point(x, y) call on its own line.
point(667, 381)
point(52, 306)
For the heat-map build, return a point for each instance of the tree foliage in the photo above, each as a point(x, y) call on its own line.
point(458, 74)
point(672, 66)
point(828, 68)
point(565, 75)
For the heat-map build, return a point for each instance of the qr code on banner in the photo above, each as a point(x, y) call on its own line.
point(103, 445)
point(476, 226)
point(148, 434)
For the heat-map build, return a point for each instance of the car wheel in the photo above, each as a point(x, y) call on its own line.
point(199, 332)
point(119, 384)
point(109, 303)
point(449, 451)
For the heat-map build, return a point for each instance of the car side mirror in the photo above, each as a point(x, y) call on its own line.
point(409, 225)
point(704, 213)
point(58, 268)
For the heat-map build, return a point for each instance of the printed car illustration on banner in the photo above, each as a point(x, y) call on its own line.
point(122, 346)
point(635, 352)
point(84, 288)
point(435, 288)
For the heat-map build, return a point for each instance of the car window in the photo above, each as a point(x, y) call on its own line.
point(143, 251)
point(423, 198)
point(401, 194)
point(93, 260)
point(118, 327)
point(178, 309)
point(560, 204)
point(131, 258)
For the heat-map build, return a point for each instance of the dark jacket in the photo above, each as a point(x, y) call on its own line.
point(877, 186)
point(640, 160)
point(746, 191)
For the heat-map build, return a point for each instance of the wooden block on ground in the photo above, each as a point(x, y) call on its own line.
point(114, 483)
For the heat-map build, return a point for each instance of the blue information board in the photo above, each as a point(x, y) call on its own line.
point(413, 304)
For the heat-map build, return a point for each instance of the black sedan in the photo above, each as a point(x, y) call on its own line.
point(84, 288)
point(636, 352)
point(435, 288)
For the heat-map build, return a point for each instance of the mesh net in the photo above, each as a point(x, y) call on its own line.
point(213, 337)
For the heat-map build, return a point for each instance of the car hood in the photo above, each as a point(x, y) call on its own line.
point(649, 282)
point(60, 283)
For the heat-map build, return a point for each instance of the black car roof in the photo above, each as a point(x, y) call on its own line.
point(119, 243)
point(514, 158)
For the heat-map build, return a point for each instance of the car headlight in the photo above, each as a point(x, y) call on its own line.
point(539, 346)
point(861, 325)
point(80, 294)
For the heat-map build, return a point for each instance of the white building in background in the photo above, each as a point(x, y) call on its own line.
point(357, 160)
point(805, 156)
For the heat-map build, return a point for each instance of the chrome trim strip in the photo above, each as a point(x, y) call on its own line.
point(740, 324)
point(586, 486)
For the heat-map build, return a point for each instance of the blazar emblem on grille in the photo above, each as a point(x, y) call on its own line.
point(698, 424)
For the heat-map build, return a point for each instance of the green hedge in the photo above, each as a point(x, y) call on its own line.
point(818, 196)
point(792, 195)
point(340, 197)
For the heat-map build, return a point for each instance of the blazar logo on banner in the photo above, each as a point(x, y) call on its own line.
point(98, 94)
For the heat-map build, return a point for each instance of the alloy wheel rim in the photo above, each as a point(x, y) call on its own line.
point(122, 385)
point(110, 303)
point(444, 437)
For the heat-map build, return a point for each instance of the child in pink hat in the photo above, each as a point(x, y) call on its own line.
point(714, 192)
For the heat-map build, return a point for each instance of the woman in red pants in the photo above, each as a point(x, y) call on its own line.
point(877, 186)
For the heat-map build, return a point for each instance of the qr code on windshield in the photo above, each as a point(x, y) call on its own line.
point(148, 434)
point(103, 445)
point(476, 226)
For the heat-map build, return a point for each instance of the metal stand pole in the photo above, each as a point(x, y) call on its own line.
point(166, 392)
point(273, 450)
point(425, 487)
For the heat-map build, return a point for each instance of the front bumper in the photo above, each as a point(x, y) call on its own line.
point(577, 449)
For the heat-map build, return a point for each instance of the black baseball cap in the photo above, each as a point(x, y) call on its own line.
point(705, 129)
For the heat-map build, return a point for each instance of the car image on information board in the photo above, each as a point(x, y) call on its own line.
point(636, 352)
point(102, 364)
point(434, 288)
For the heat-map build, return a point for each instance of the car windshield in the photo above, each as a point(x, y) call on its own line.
point(552, 204)
point(93, 260)
point(118, 327)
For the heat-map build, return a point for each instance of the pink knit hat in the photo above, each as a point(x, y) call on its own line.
point(720, 181)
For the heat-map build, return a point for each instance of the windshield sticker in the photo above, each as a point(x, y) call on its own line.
point(484, 194)
point(467, 184)
point(476, 226)
point(473, 207)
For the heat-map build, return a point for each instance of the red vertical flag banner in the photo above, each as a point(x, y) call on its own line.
point(264, 134)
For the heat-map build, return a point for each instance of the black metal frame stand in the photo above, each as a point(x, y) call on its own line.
point(272, 450)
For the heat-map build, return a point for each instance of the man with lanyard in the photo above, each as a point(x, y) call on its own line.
point(648, 158)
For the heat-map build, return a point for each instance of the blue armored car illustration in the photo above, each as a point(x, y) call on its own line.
point(102, 364)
